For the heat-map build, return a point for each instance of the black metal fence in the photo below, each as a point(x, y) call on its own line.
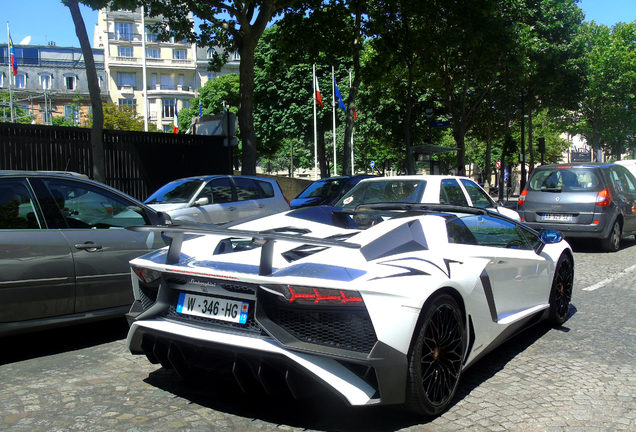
point(136, 162)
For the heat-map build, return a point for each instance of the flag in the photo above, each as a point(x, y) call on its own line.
point(200, 109)
point(14, 63)
point(338, 96)
point(175, 123)
point(317, 92)
point(355, 114)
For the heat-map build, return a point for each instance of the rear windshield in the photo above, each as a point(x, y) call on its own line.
point(565, 180)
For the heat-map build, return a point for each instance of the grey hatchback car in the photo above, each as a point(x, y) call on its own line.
point(592, 200)
point(64, 249)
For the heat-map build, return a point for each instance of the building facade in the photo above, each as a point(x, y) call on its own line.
point(170, 67)
point(51, 82)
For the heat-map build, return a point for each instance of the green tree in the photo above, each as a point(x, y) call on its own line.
point(607, 114)
point(231, 25)
point(212, 96)
point(122, 117)
point(20, 114)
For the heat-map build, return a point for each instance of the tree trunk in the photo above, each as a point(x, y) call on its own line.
point(97, 129)
point(410, 165)
point(246, 110)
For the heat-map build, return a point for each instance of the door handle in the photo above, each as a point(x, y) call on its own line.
point(231, 208)
point(88, 246)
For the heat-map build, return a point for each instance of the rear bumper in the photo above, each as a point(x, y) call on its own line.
point(600, 230)
point(378, 379)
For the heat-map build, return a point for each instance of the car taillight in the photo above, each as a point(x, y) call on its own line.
point(316, 296)
point(603, 198)
point(522, 197)
point(147, 275)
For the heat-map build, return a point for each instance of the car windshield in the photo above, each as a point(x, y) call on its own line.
point(390, 190)
point(175, 192)
point(322, 189)
point(564, 179)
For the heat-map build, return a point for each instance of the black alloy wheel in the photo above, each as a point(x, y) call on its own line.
point(613, 242)
point(561, 292)
point(436, 358)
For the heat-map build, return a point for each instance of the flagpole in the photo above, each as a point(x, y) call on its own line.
point(10, 72)
point(333, 107)
point(352, 128)
point(315, 126)
point(143, 67)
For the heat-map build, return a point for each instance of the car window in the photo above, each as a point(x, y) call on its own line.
point(217, 191)
point(487, 231)
point(175, 192)
point(17, 209)
point(267, 188)
point(86, 206)
point(565, 180)
point(451, 193)
point(317, 189)
point(622, 180)
point(246, 189)
point(477, 195)
point(394, 190)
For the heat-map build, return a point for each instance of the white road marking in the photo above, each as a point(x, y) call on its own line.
point(604, 282)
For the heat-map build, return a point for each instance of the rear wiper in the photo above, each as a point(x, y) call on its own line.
point(551, 189)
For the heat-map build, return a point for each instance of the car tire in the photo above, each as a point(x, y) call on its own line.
point(436, 358)
point(613, 241)
point(561, 291)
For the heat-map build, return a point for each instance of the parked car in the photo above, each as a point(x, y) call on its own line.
point(219, 199)
point(325, 191)
point(592, 200)
point(442, 189)
point(382, 304)
point(630, 164)
point(64, 251)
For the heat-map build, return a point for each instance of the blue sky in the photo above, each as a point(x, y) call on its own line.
point(49, 20)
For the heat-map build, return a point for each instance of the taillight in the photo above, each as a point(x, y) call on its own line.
point(522, 197)
point(603, 198)
point(316, 296)
point(147, 275)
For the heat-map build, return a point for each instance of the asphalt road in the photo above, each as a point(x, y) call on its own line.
point(581, 377)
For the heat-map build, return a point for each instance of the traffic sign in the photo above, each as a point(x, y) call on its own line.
point(440, 124)
point(372, 164)
point(498, 164)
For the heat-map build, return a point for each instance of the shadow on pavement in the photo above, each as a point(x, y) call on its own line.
point(54, 341)
point(583, 245)
point(325, 411)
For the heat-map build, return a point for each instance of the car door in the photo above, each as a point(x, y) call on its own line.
point(92, 219)
point(222, 206)
point(37, 278)
point(624, 185)
point(248, 196)
point(517, 275)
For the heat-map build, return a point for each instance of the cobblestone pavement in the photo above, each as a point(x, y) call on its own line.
point(581, 377)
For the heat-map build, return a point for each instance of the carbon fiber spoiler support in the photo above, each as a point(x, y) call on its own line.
point(265, 238)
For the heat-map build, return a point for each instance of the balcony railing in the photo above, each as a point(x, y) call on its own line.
point(131, 37)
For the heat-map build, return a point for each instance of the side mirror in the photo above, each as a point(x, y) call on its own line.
point(201, 202)
point(548, 237)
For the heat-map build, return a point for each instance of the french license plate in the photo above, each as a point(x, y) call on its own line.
point(557, 217)
point(213, 307)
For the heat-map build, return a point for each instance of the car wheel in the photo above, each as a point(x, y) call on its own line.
point(436, 358)
point(561, 292)
point(613, 242)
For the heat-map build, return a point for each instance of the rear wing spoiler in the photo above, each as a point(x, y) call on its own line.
point(266, 238)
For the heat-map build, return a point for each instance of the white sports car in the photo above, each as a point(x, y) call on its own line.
point(383, 304)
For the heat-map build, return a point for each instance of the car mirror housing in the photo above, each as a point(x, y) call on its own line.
point(201, 201)
point(548, 237)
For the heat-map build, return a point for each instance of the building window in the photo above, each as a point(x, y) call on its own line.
point(124, 51)
point(124, 31)
point(167, 108)
point(20, 80)
point(180, 80)
point(71, 112)
point(236, 56)
point(70, 82)
point(167, 82)
point(126, 79)
point(45, 81)
point(128, 102)
point(1, 78)
point(179, 54)
point(150, 36)
point(167, 128)
point(153, 53)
